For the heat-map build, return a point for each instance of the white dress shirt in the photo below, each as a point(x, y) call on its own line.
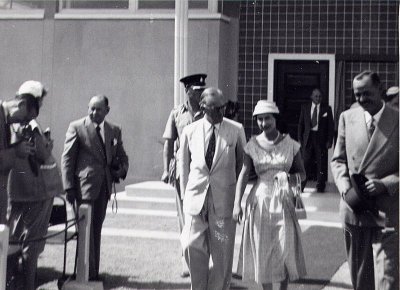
point(207, 133)
point(376, 117)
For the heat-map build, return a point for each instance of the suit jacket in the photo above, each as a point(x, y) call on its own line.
point(83, 165)
point(196, 178)
point(376, 159)
point(325, 125)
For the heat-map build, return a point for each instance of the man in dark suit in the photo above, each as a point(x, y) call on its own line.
point(21, 109)
point(93, 157)
point(368, 144)
point(315, 134)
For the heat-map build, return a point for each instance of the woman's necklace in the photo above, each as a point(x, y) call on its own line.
point(273, 141)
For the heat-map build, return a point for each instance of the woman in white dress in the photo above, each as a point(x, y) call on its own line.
point(271, 252)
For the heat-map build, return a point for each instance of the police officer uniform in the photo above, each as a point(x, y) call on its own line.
point(181, 116)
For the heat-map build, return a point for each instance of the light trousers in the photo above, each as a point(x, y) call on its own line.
point(206, 236)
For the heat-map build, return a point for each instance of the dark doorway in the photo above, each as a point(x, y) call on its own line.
point(294, 81)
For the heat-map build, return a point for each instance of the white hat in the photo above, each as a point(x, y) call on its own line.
point(392, 91)
point(265, 107)
point(34, 88)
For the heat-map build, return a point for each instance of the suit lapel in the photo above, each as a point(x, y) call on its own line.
point(383, 130)
point(198, 138)
point(94, 139)
point(359, 132)
point(221, 143)
point(320, 113)
point(308, 115)
point(107, 140)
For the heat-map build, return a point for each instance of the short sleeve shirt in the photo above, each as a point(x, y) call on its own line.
point(178, 119)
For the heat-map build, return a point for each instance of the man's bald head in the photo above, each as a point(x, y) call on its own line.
point(98, 108)
point(213, 103)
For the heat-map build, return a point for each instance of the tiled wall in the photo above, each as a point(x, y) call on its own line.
point(364, 33)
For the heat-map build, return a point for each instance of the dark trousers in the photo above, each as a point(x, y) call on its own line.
point(373, 257)
point(29, 221)
point(315, 153)
point(99, 208)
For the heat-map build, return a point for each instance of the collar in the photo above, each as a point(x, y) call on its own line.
point(208, 125)
point(35, 126)
point(186, 108)
point(376, 117)
point(313, 105)
point(101, 125)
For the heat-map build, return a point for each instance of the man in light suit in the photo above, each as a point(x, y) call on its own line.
point(315, 135)
point(211, 158)
point(93, 157)
point(181, 116)
point(21, 109)
point(368, 144)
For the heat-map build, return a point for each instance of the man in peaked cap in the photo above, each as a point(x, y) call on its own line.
point(182, 115)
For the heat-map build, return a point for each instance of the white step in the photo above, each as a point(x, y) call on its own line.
point(149, 188)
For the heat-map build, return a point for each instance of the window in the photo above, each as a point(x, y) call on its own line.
point(129, 4)
point(21, 4)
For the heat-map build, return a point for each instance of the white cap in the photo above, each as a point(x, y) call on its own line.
point(265, 107)
point(34, 88)
point(392, 91)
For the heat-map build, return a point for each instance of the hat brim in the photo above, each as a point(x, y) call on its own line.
point(198, 88)
point(265, 111)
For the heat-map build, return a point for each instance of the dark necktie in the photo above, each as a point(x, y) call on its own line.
point(101, 139)
point(371, 128)
point(314, 118)
point(8, 134)
point(210, 149)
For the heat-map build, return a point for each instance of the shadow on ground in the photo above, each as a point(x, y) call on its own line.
point(46, 275)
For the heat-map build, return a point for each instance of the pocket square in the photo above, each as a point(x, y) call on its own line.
point(114, 142)
point(325, 115)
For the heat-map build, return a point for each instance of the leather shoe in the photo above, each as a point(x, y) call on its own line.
point(185, 274)
point(320, 188)
point(96, 278)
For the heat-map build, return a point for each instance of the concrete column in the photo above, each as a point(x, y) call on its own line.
point(181, 35)
point(213, 6)
point(82, 267)
point(47, 118)
point(4, 232)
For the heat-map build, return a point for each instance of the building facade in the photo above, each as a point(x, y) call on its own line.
point(250, 49)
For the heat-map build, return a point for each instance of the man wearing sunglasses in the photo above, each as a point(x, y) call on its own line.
point(211, 156)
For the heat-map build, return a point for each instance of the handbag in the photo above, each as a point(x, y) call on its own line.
point(281, 191)
point(298, 202)
point(51, 177)
point(281, 188)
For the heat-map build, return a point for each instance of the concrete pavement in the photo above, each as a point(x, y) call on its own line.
point(145, 229)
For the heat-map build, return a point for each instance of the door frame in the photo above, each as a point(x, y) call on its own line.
point(331, 90)
point(302, 56)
